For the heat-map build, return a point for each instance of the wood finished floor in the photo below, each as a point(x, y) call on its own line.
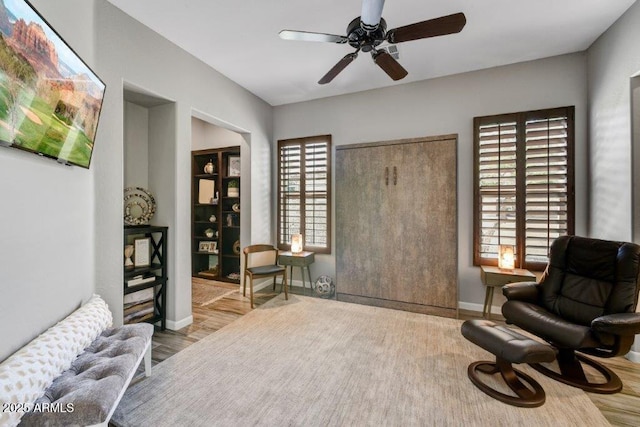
point(621, 409)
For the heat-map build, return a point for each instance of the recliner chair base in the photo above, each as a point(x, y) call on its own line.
point(572, 373)
point(530, 393)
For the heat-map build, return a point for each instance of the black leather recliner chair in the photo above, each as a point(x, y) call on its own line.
point(585, 302)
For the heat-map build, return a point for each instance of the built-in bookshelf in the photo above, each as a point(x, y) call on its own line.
point(215, 211)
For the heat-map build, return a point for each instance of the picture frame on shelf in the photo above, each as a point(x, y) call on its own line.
point(206, 191)
point(234, 166)
point(208, 246)
point(142, 252)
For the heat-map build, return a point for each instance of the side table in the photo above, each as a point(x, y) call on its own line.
point(302, 259)
point(494, 277)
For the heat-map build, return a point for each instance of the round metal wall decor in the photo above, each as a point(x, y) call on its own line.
point(139, 206)
point(324, 287)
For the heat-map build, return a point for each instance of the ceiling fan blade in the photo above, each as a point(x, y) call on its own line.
point(341, 65)
point(432, 28)
point(307, 36)
point(371, 14)
point(389, 65)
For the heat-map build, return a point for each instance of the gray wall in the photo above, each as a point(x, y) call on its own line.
point(136, 145)
point(131, 54)
point(61, 227)
point(205, 136)
point(447, 106)
point(613, 61)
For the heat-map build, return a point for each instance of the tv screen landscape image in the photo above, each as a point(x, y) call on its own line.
point(50, 100)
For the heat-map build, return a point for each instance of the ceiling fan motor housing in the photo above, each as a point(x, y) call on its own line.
point(360, 39)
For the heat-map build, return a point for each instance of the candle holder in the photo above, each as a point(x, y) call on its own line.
point(506, 258)
point(296, 243)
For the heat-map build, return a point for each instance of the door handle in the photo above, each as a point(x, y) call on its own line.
point(386, 176)
point(395, 175)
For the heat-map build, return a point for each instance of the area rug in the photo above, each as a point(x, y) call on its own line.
point(205, 292)
point(316, 362)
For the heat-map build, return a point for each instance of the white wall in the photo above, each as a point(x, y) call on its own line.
point(447, 106)
point(205, 135)
point(46, 224)
point(136, 146)
point(613, 60)
point(130, 54)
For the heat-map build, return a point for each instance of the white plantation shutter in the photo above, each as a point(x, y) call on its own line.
point(524, 184)
point(497, 185)
point(304, 180)
point(290, 200)
point(547, 185)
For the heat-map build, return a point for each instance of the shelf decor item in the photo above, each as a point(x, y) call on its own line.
point(128, 252)
point(139, 206)
point(210, 168)
point(324, 287)
point(142, 252)
point(206, 191)
point(212, 218)
point(233, 189)
point(506, 257)
point(205, 246)
point(296, 243)
point(234, 166)
point(209, 232)
point(51, 98)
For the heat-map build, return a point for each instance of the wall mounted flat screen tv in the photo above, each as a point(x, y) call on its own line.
point(50, 100)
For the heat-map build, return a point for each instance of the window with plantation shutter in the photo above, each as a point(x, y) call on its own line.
point(304, 192)
point(523, 184)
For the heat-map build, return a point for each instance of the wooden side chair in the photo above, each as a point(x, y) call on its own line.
point(266, 268)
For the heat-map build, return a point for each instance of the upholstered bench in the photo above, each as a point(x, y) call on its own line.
point(509, 347)
point(76, 372)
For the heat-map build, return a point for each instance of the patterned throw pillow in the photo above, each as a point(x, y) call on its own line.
point(27, 373)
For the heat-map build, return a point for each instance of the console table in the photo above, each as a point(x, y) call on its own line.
point(302, 259)
point(494, 277)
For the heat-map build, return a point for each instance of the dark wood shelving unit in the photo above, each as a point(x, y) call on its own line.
point(158, 268)
point(215, 265)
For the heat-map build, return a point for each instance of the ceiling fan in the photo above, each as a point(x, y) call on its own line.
point(366, 32)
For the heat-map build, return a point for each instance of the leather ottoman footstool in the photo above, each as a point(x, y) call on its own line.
point(509, 347)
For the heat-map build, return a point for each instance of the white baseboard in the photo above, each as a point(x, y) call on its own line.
point(495, 309)
point(175, 325)
point(259, 285)
point(298, 283)
point(269, 282)
point(634, 356)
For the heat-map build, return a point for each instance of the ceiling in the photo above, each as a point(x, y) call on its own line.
point(240, 38)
